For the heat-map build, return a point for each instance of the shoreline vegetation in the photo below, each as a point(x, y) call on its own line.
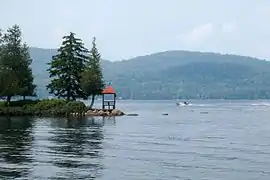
point(53, 108)
point(75, 73)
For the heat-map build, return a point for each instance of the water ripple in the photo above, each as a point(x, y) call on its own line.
point(230, 141)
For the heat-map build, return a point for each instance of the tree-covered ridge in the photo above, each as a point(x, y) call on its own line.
point(195, 75)
point(184, 74)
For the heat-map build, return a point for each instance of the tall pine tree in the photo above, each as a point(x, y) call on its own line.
point(66, 68)
point(15, 75)
point(92, 78)
point(1, 39)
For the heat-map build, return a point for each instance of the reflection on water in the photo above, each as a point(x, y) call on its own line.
point(230, 141)
point(77, 148)
point(15, 147)
point(73, 147)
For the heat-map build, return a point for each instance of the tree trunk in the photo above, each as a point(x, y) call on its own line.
point(24, 98)
point(8, 100)
point(68, 95)
point(92, 101)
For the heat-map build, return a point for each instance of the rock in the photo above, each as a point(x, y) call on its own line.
point(132, 114)
point(203, 112)
point(100, 112)
point(89, 113)
point(107, 113)
point(117, 112)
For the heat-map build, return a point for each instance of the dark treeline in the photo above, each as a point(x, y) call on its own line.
point(75, 71)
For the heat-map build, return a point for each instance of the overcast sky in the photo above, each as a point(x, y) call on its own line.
point(129, 28)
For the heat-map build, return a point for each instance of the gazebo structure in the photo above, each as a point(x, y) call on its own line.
point(108, 98)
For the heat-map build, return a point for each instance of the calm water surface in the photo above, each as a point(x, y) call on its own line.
point(208, 140)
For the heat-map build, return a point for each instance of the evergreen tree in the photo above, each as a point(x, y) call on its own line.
point(1, 39)
point(92, 78)
point(1, 49)
point(1, 68)
point(16, 74)
point(66, 68)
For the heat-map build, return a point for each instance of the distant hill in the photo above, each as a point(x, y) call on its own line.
point(176, 74)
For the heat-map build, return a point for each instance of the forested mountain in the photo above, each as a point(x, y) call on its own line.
point(176, 74)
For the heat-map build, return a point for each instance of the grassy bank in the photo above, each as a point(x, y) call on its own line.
point(53, 107)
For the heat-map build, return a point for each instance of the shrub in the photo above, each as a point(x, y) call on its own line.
point(75, 106)
point(47, 107)
point(19, 103)
point(48, 104)
point(13, 111)
point(22, 103)
point(2, 103)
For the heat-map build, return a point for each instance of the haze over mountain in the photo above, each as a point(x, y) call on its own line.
point(175, 74)
point(126, 29)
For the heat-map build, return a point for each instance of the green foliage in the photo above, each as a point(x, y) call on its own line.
point(17, 108)
point(1, 40)
point(2, 104)
point(48, 104)
point(22, 103)
point(10, 83)
point(53, 107)
point(66, 68)
point(27, 81)
point(92, 78)
point(15, 72)
point(75, 107)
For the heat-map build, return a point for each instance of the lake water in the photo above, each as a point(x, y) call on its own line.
point(207, 140)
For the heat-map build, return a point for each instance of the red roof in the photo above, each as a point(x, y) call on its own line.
point(109, 90)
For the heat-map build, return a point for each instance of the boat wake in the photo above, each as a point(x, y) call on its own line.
point(261, 104)
point(182, 104)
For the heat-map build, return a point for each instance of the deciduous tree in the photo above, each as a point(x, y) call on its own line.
point(15, 71)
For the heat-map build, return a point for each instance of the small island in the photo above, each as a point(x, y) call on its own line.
point(53, 108)
point(75, 73)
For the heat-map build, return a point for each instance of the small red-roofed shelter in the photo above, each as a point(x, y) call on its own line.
point(109, 90)
point(108, 97)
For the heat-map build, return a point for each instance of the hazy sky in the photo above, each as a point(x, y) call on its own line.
point(128, 28)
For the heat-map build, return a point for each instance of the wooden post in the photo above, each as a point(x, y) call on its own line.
point(103, 106)
point(114, 101)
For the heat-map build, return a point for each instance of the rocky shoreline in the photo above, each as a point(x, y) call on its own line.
point(101, 112)
point(107, 113)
